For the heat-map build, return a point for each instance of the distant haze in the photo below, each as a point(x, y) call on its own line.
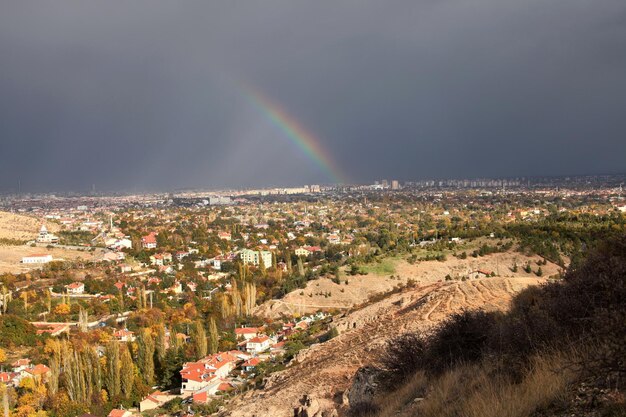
point(150, 94)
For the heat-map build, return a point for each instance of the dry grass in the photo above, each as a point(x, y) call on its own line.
point(474, 391)
point(21, 227)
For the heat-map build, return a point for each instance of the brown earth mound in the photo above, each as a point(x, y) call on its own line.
point(325, 371)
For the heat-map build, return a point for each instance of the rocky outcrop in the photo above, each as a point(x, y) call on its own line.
point(310, 407)
point(363, 386)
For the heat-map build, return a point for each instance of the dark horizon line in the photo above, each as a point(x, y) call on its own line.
point(172, 190)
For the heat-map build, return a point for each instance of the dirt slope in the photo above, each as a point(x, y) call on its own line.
point(324, 294)
point(325, 371)
point(21, 227)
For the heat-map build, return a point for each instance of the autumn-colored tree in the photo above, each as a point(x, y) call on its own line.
point(214, 338)
point(127, 372)
point(200, 340)
point(145, 355)
point(112, 375)
point(62, 309)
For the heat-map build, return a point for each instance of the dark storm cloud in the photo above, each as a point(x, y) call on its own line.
point(148, 93)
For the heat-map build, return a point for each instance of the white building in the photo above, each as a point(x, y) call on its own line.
point(45, 237)
point(258, 344)
point(253, 257)
point(37, 259)
point(75, 288)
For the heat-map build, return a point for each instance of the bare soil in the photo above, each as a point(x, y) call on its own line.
point(11, 256)
point(325, 295)
point(325, 371)
point(22, 227)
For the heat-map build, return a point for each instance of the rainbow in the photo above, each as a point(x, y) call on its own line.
point(296, 133)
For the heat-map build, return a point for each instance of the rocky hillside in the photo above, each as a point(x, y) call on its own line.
point(318, 382)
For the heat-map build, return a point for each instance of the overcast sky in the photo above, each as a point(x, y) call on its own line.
point(148, 94)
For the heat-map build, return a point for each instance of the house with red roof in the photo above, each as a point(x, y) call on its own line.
point(120, 413)
point(155, 400)
point(75, 288)
point(207, 372)
point(149, 241)
point(161, 259)
point(250, 364)
point(246, 333)
point(9, 378)
point(124, 335)
point(258, 344)
point(39, 372)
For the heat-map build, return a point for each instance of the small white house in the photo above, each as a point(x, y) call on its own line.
point(258, 344)
point(75, 288)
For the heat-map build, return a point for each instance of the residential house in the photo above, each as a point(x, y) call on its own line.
point(75, 288)
point(149, 241)
point(161, 259)
point(258, 344)
point(120, 413)
point(155, 400)
point(246, 333)
point(124, 335)
point(207, 372)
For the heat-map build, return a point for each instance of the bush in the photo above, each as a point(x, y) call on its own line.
point(15, 331)
point(403, 356)
point(364, 408)
point(461, 338)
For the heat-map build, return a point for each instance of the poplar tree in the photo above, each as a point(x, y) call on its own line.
point(160, 342)
point(200, 341)
point(4, 393)
point(127, 372)
point(214, 338)
point(112, 376)
point(145, 355)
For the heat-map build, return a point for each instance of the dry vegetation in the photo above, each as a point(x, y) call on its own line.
point(324, 294)
point(559, 351)
point(11, 256)
point(20, 227)
point(363, 333)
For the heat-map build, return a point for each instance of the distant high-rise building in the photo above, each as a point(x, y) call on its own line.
point(385, 183)
point(395, 185)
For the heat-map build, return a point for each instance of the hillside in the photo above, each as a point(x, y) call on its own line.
point(325, 371)
point(558, 352)
point(324, 294)
point(20, 227)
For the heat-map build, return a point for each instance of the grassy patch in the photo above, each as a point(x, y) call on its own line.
point(384, 267)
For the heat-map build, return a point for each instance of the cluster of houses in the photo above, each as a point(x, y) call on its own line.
point(222, 372)
point(23, 368)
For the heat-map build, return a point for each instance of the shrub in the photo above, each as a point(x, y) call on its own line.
point(402, 357)
point(363, 408)
point(461, 338)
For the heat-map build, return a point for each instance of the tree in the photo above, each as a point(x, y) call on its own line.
point(3, 356)
point(145, 355)
point(214, 338)
point(200, 341)
point(112, 376)
point(62, 309)
point(15, 331)
point(127, 372)
point(249, 294)
point(4, 394)
point(300, 267)
point(83, 320)
point(159, 341)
